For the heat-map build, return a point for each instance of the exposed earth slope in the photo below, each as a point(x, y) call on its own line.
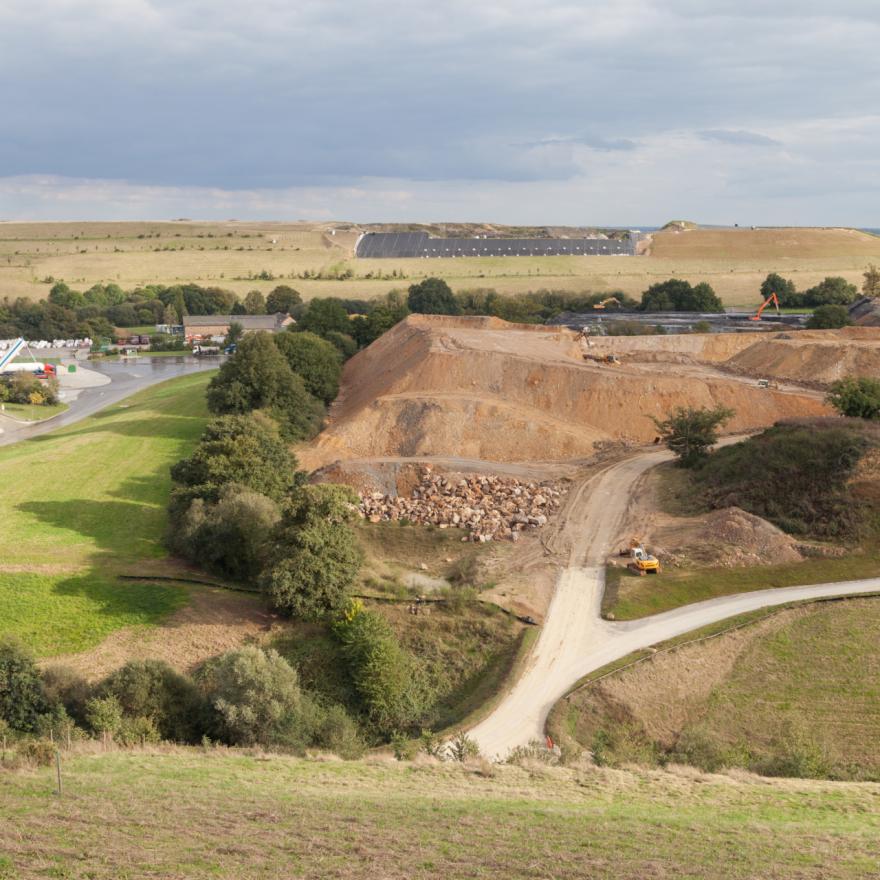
point(483, 389)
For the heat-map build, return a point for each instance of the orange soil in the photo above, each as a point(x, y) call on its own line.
point(484, 389)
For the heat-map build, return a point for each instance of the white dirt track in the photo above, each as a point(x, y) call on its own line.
point(575, 640)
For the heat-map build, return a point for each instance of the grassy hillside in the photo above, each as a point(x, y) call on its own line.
point(235, 255)
point(216, 815)
point(792, 693)
point(84, 502)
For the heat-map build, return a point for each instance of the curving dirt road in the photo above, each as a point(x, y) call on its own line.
point(575, 640)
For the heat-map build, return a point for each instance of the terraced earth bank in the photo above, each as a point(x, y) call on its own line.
point(483, 389)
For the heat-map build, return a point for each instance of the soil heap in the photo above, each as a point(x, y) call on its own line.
point(480, 388)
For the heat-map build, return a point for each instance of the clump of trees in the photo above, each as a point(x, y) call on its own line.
point(690, 432)
point(832, 290)
point(857, 398)
point(246, 697)
point(829, 318)
point(676, 295)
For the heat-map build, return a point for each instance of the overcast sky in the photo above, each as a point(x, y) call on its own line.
point(622, 112)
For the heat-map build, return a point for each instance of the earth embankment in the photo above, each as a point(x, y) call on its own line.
point(483, 389)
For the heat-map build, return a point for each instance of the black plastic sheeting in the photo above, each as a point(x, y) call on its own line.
point(376, 245)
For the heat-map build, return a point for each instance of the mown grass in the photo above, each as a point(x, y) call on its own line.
point(84, 502)
point(218, 815)
point(629, 596)
point(28, 413)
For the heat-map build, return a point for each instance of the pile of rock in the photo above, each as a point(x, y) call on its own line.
point(489, 508)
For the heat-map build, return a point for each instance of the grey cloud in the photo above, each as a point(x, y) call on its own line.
point(739, 138)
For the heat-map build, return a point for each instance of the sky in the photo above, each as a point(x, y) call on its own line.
point(624, 112)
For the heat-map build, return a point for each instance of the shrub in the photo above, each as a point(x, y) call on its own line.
point(137, 731)
point(346, 345)
point(383, 673)
point(22, 699)
point(829, 317)
point(229, 538)
point(462, 748)
point(315, 360)
point(65, 686)
point(257, 699)
point(315, 557)
point(104, 715)
point(151, 690)
point(690, 433)
point(856, 397)
point(338, 733)
point(38, 752)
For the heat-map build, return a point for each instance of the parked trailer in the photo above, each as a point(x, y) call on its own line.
point(35, 368)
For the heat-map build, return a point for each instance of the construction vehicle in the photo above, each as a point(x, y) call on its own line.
point(602, 358)
point(612, 300)
point(640, 561)
point(773, 298)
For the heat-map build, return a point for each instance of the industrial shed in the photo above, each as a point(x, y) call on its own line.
point(377, 245)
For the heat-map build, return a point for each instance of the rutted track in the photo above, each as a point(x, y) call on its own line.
point(575, 640)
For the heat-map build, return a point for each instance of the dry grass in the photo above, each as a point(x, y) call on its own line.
point(185, 814)
point(232, 254)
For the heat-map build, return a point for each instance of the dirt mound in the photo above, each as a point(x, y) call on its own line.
point(866, 312)
point(817, 357)
point(480, 388)
point(726, 538)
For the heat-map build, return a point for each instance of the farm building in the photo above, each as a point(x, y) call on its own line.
point(374, 245)
point(207, 326)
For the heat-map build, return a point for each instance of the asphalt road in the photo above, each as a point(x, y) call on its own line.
point(575, 640)
point(126, 378)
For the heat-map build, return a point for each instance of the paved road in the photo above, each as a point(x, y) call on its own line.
point(126, 378)
point(575, 640)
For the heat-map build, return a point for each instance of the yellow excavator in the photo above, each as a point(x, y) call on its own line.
point(612, 300)
point(640, 561)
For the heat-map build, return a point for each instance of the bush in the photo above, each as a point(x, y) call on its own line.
point(346, 345)
point(38, 752)
point(339, 733)
point(383, 673)
point(66, 687)
point(831, 291)
point(690, 433)
point(257, 699)
point(315, 360)
point(856, 398)
point(151, 690)
point(316, 556)
point(829, 318)
point(104, 715)
point(229, 538)
point(22, 699)
point(137, 731)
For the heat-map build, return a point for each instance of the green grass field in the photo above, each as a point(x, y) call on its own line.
point(27, 413)
point(84, 502)
point(629, 596)
point(222, 815)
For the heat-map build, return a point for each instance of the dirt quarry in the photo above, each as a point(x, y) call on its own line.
point(483, 389)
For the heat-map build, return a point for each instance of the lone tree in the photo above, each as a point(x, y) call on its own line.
point(830, 317)
point(856, 398)
point(871, 284)
point(782, 287)
point(282, 299)
point(433, 296)
point(690, 433)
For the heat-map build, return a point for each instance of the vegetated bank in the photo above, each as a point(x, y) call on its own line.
point(815, 481)
point(783, 693)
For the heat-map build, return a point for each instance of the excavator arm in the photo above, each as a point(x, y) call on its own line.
point(773, 298)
